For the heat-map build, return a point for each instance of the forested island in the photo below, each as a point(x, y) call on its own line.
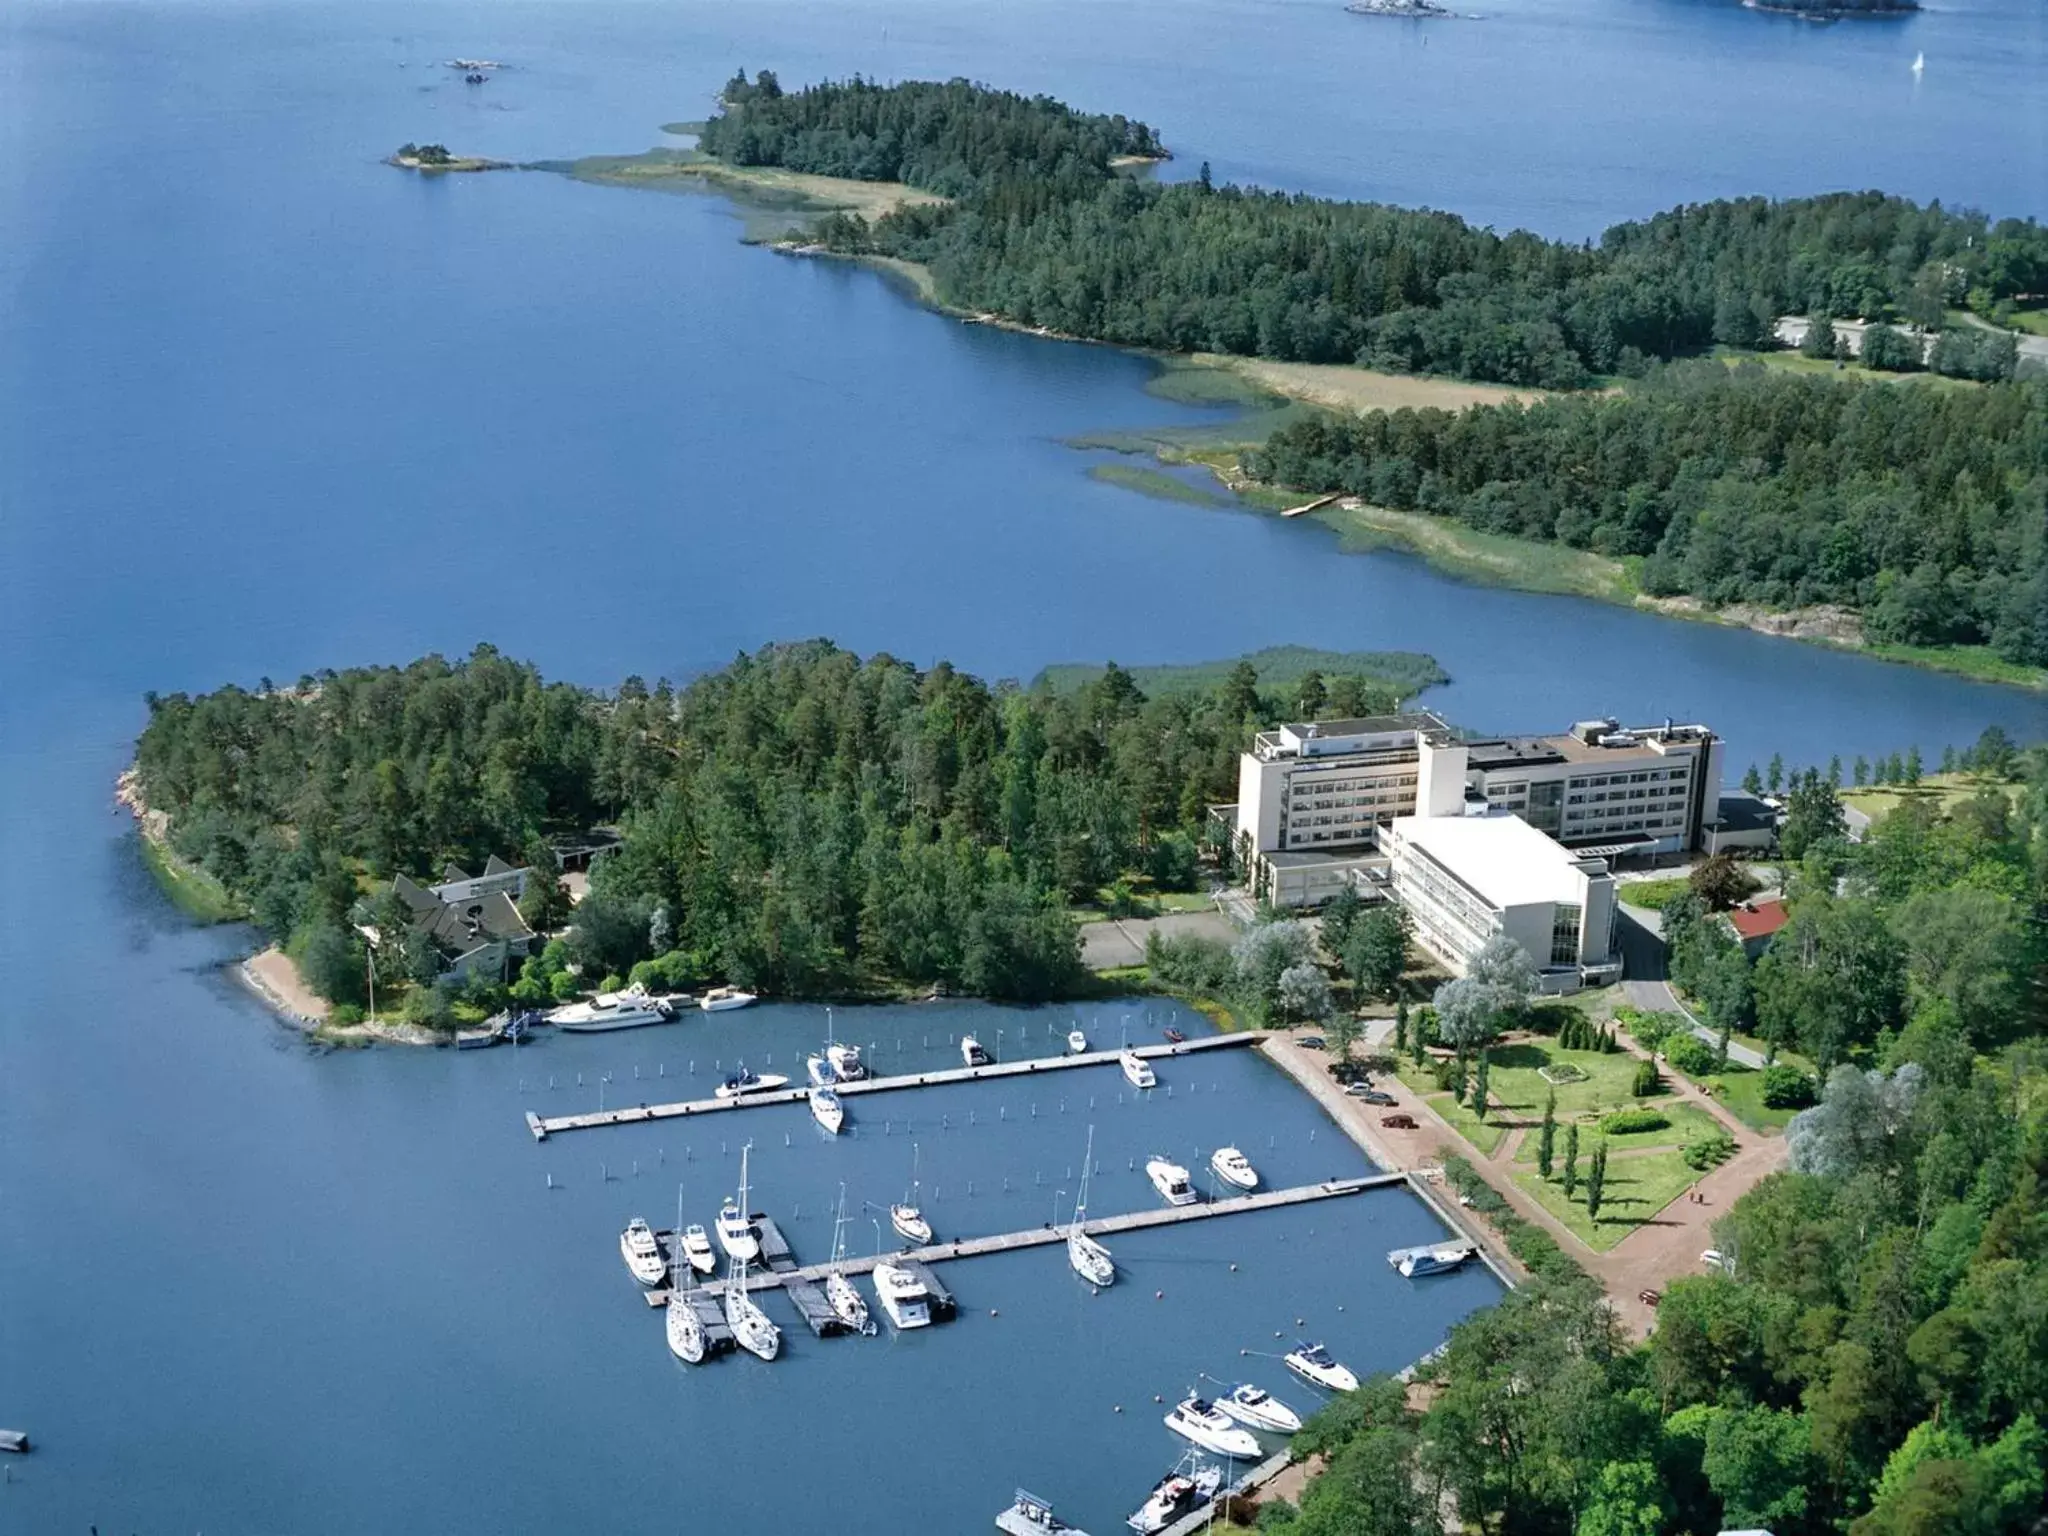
point(803, 822)
point(1834, 10)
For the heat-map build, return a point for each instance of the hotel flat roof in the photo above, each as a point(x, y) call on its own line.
point(1503, 859)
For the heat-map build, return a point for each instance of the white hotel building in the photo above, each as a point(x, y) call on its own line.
point(1316, 800)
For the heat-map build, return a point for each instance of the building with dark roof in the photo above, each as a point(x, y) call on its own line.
point(473, 921)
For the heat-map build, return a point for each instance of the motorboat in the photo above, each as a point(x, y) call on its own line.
point(1233, 1167)
point(744, 1082)
point(698, 1251)
point(972, 1053)
point(910, 1222)
point(845, 1061)
point(1077, 1043)
point(1312, 1362)
point(631, 1009)
point(827, 1110)
point(643, 1253)
point(846, 1302)
point(752, 1327)
point(1171, 1180)
point(1257, 1408)
point(903, 1296)
point(1430, 1259)
point(1199, 1420)
point(685, 1329)
point(1188, 1487)
point(1173, 1036)
point(736, 1234)
point(1137, 1072)
point(721, 999)
point(1091, 1261)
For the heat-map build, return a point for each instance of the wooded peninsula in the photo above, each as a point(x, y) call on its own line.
point(1923, 509)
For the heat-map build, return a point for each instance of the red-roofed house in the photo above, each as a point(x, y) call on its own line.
point(1756, 923)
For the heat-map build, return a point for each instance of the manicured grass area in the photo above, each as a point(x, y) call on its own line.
point(1689, 1123)
point(1518, 1092)
point(1638, 1186)
point(1486, 1135)
point(1741, 1092)
point(192, 890)
point(2033, 319)
point(1940, 791)
point(1651, 895)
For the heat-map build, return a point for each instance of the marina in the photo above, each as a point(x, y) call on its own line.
point(544, 1126)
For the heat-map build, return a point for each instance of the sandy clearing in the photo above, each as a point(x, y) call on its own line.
point(1342, 388)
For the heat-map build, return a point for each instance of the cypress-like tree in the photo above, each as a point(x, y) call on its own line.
point(1479, 1088)
point(1571, 1159)
point(1546, 1136)
point(1401, 1026)
point(1596, 1181)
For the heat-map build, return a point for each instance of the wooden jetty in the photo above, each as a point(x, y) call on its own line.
point(544, 1126)
point(1039, 1237)
point(1311, 506)
point(15, 1440)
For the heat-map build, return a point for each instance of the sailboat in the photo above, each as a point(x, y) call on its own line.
point(1090, 1259)
point(685, 1328)
point(827, 1110)
point(750, 1325)
point(907, 1218)
point(1919, 62)
point(844, 1298)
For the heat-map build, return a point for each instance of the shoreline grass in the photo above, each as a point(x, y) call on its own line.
point(191, 889)
point(1155, 483)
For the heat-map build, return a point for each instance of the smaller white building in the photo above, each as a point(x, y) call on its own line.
point(1465, 878)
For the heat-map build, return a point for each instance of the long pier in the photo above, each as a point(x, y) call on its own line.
point(1039, 1237)
point(543, 1127)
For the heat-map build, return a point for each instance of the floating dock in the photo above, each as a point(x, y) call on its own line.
point(543, 1126)
point(1039, 1237)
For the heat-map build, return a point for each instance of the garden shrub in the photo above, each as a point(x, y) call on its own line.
point(1648, 1080)
point(1787, 1088)
point(1710, 1152)
point(1624, 1122)
point(1691, 1055)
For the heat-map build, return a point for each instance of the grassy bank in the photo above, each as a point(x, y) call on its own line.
point(191, 889)
point(765, 193)
point(1489, 558)
point(1157, 484)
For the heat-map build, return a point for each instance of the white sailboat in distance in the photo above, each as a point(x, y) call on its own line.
point(845, 1299)
point(907, 1218)
point(684, 1327)
point(756, 1334)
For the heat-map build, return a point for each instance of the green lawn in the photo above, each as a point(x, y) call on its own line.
point(1941, 791)
point(1689, 1123)
point(1651, 895)
point(1741, 1092)
point(1518, 1093)
point(1638, 1186)
point(2032, 318)
point(1486, 1137)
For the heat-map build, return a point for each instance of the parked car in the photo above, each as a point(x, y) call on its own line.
point(1313, 1042)
point(1649, 1298)
point(1714, 1258)
point(1398, 1122)
point(1371, 1095)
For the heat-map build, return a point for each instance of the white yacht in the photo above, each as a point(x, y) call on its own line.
point(744, 1082)
point(971, 1052)
point(903, 1296)
point(719, 999)
point(820, 1071)
point(1199, 1420)
point(827, 1110)
point(1430, 1259)
point(907, 1218)
point(685, 1329)
point(1314, 1363)
point(1171, 1180)
point(1188, 1487)
point(1091, 1261)
point(846, 1302)
point(642, 1253)
point(698, 1251)
point(1233, 1167)
point(1137, 1071)
point(612, 1010)
point(846, 1062)
point(1077, 1043)
point(1257, 1408)
point(736, 1234)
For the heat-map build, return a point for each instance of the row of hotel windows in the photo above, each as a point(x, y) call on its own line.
point(1337, 786)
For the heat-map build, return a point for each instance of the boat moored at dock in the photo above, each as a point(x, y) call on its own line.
point(642, 1253)
point(697, 1250)
point(1171, 1180)
point(1077, 1043)
point(631, 1009)
point(744, 1082)
point(1258, 1409)
point(1431, 1258)
point(904, 1299)
point(1190, 1486)
point(827, 1110)
point(972, 1053)
point(1199, 1420)
point(723, 999)
point(1029, 1515)
point(736, 1234)
point(1137, 1071)
point(1090, 1260)
point(1312, 1362)
point(1233, 1167)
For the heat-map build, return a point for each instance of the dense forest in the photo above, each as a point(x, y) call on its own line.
point(803, 821)
point(949, 138)
point(1926, 509)
point(1874, 1358)
point(1040, 233)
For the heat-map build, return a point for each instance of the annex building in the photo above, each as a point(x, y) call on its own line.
point(1464, 879)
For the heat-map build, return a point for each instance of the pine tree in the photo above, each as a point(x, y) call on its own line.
point(1913, 766)
point(1752, 781)
point(1948, 758)
point(1861, 771)
point(1596, 1181)
point(1571, 1158)
point(1479, 1089)
point(1835, 771)
point(1546, 1136)
point(1894, 769)
point(1774, 776)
